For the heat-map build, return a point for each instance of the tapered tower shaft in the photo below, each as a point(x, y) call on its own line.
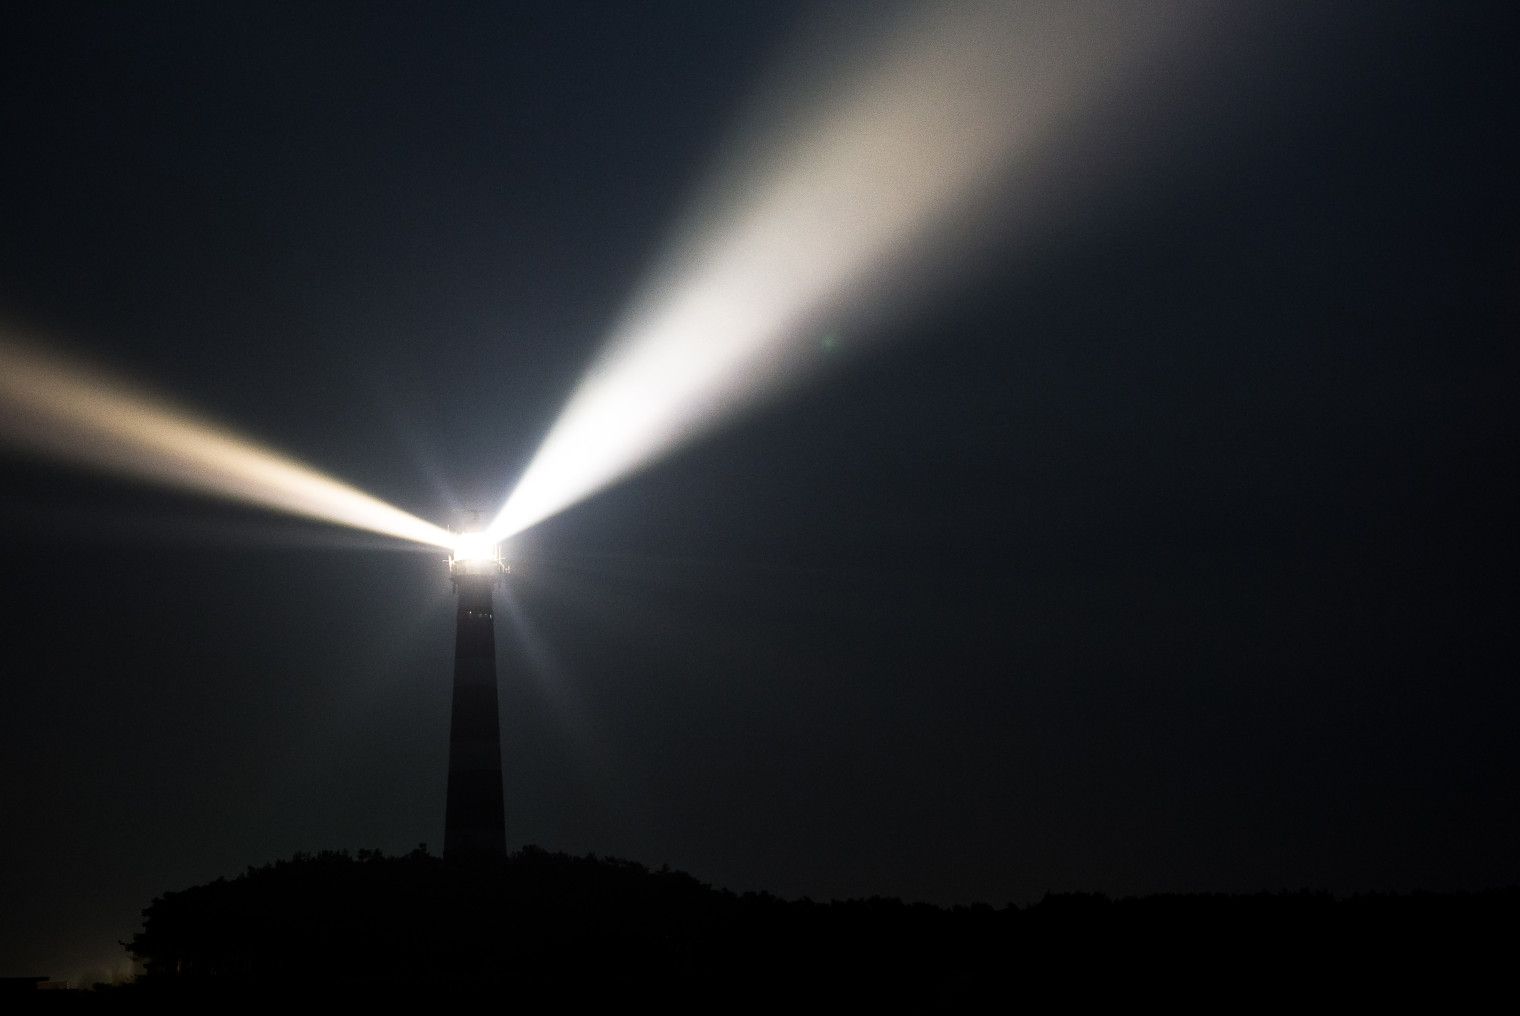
point(475, 823)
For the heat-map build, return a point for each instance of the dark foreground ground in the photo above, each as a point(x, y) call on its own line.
point(549, 927)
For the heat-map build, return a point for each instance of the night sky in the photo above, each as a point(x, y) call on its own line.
point(1170, 547)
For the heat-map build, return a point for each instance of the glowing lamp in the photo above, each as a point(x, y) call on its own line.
point(476, 554)
point(474, 547)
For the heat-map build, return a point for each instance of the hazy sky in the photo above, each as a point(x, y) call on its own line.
point(1166, 544)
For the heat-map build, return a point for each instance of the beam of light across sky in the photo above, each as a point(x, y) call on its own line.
point(844, 189)
point(67, 411)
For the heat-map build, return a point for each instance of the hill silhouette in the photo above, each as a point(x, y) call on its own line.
point(548, 925)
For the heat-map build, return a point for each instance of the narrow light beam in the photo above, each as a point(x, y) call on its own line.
point(844, 190)
point(69, 412)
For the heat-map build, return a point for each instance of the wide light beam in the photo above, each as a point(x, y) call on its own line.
point(838, 197)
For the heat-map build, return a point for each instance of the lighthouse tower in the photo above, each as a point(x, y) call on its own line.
point(475, 825)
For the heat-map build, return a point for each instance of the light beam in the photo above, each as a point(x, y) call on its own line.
point(837, 198)
point(73, 413)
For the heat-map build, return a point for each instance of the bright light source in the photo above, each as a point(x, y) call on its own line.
point(862, 178)
point(476, 556)
point(68, 411)
point(474, 547)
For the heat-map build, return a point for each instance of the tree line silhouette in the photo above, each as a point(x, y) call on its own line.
point(549, 925)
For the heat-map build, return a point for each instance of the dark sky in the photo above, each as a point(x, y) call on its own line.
point(1174, 550)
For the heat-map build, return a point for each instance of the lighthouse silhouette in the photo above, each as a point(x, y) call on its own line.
point(475, 824)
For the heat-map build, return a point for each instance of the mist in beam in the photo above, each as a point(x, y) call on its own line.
point(841, 192)
point(67, 411)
